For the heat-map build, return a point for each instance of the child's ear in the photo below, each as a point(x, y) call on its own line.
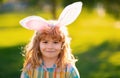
point(33, 23)
point(70, 13)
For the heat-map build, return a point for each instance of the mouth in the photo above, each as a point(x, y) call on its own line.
point(50, 51)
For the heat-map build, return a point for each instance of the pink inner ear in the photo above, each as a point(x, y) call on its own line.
point(35, 24)
point(32, 24)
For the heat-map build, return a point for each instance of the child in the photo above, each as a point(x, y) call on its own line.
point(48, 55)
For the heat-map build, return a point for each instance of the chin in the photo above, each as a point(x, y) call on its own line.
point(51, 56)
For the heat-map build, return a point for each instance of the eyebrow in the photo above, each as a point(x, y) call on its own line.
point(48, 40)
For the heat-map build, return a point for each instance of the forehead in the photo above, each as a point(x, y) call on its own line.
point(49, 38)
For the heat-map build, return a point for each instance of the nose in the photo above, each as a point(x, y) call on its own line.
point(50, 45)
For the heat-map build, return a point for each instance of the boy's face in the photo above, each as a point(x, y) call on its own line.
point(50, 48)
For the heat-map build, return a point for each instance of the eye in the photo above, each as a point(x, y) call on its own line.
point(45, 42)
point(56, 42)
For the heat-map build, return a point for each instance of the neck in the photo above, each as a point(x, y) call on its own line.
point(49, 62)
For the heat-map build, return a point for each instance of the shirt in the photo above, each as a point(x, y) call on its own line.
point(43, 72)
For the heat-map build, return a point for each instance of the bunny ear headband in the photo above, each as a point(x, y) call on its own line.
point(68, 15)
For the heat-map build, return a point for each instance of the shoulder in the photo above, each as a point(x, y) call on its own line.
point(72, 69)
point(25, 72)
point(24, 75)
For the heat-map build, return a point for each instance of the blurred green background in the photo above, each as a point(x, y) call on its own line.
point(95, 35)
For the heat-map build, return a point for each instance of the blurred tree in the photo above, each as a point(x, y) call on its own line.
point(33, 2)
point(111, 6)
point(67, 2)
point(53, 9)
point(1, 2)
point(52, 5)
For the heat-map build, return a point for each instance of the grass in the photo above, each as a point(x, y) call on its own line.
point(10, 62)
point(95, 42)
point(14, 36)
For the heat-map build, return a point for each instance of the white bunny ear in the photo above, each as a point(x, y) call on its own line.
point(70, 13)
point(34, 23)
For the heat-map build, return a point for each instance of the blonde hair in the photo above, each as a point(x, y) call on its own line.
point(33, 56)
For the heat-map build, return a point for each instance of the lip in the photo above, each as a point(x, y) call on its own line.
point(50, 51)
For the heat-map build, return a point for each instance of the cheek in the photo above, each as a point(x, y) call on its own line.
point(59, 47)
point(41, 46)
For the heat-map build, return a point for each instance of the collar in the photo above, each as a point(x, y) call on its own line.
point(45, 68)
